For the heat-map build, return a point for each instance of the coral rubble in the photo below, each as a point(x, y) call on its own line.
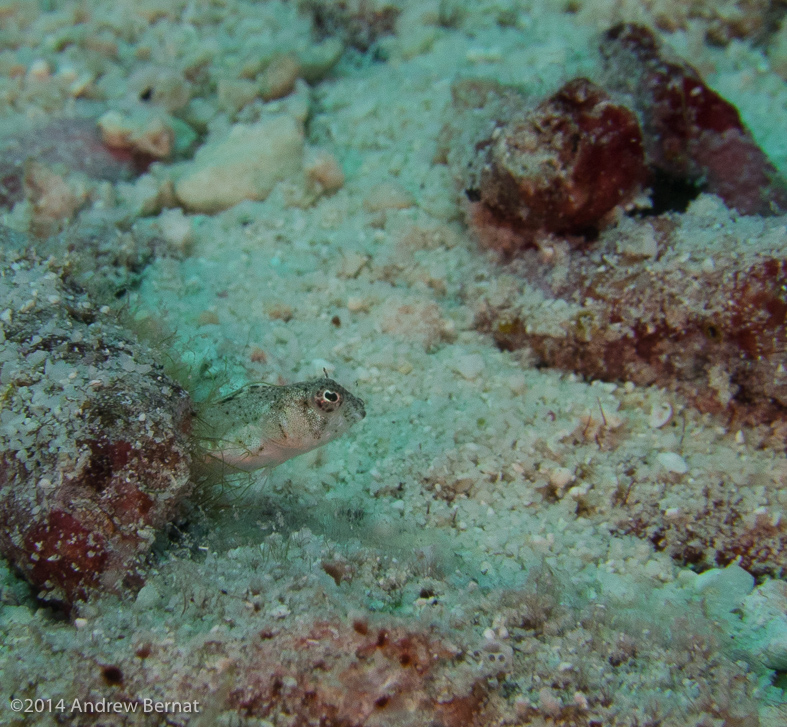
point(644, 303)
point(566, 165)
point(245, 164)
point(691, 133)
point(94, 451)
point(359, 675)
point(649, 305)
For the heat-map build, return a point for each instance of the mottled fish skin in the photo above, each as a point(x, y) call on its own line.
point(262, 425)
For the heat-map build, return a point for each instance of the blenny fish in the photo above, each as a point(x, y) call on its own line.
point(262, 425)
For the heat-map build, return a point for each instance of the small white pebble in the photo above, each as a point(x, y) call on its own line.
point(39, 70)
point(560, 477)
point(148, 597)
point(549, 703)
point(352, 263)
point(80, 623)
point(469, 367)
point(517, 383)
point(660, 414)
point(673, 462)
point(280, 611)
point(356, 304)
point(176, 228)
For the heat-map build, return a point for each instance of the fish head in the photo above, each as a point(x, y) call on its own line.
point(319, 411)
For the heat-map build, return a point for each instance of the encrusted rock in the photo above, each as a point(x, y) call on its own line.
point(691, 133)
point(559, 168)
point(764, 613)
point(93, 436)
point(706, 316)
point(565, 166)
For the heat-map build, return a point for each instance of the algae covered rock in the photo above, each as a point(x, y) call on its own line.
point(705, 315)
point(93, 435)
point(245, 164)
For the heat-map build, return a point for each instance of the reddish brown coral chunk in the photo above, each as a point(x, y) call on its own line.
point(712, 328)
point(564, 166)
point(64, 555)
point(96, 457)
point(690, 130)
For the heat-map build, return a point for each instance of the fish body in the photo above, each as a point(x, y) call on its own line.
point(262, 425)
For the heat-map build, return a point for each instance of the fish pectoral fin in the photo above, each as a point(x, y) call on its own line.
point(283, 443)
point(221, 448)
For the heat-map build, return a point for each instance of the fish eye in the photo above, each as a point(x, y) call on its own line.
point(328, 400)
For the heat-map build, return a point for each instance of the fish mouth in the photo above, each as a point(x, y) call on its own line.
point(359, 412)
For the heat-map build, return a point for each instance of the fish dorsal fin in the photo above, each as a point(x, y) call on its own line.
point(256, 386)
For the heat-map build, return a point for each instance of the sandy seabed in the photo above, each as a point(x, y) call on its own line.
point(468, 553)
